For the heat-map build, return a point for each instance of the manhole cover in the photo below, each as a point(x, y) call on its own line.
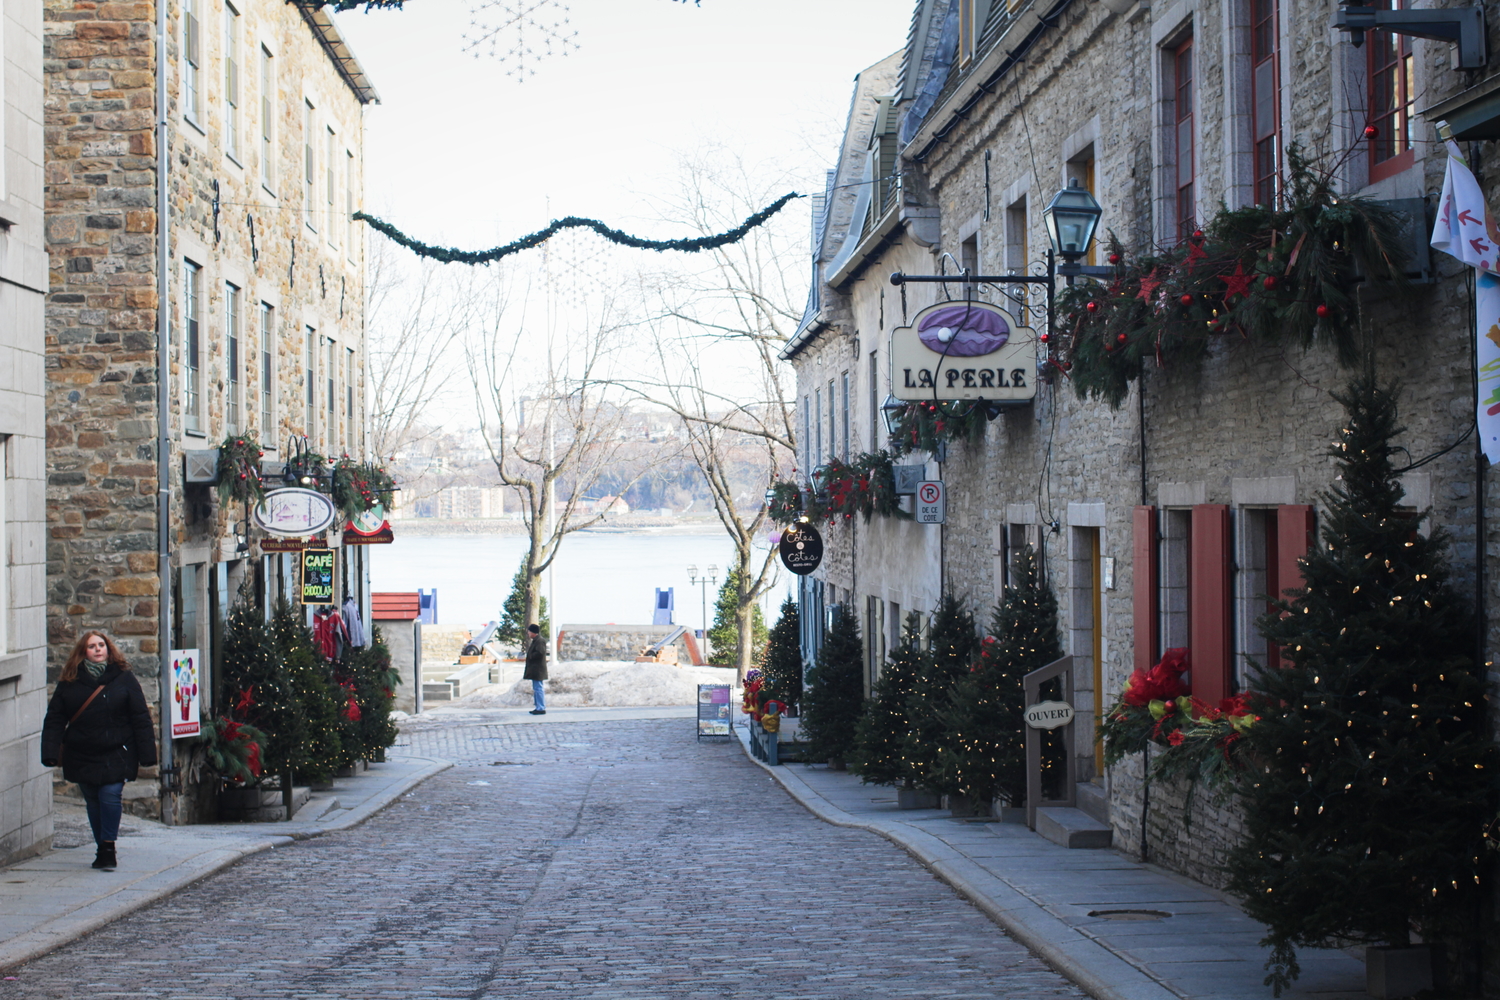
point(1130, 914)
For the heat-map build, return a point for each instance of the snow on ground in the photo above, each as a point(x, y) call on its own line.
point(603, 683)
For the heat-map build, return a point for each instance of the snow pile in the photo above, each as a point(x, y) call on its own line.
point(603, 684)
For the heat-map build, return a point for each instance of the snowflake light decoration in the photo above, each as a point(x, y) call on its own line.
point(520, 32)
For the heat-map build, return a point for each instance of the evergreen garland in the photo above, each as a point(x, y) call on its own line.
point(359, 486)
point(239, 469)
point(835, 694)
point(232, 750)
point(1365, 818)
point(839, 489)
point(879, 755)
point(984, 756)
point(449, 255)
point(1258, 273)
point(781, 676)
point(724, 634)
point(953, 643)
point(512, 628)
point(927, 425)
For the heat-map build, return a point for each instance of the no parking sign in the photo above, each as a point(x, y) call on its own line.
point(932, 502)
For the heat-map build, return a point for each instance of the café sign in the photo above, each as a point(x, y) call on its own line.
point(294, 513)
point(801, 548)
point(964, 350)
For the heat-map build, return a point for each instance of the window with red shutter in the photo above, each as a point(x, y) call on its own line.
point(1144, 585)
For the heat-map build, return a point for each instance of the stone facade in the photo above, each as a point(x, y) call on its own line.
point(983, 149)
point(615, 642)
point(25, 786)
point(263, 271)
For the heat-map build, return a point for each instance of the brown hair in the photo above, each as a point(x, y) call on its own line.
point(113, 656)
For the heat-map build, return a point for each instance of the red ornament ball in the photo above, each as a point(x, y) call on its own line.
point(1045, 337)
point(1121, 338)
point(1109, 347)
point(1197, 234)
point(1114, 258)
point(242, 475)
point(1324, 312)
point(1371, 131)
point(1092, 307)
point(1186, 299)
point(1270, 282)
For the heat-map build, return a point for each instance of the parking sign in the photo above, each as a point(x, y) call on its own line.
point(932, 502)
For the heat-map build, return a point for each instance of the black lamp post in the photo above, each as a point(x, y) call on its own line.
point(892, 408)
point(694, 580)
point(1071, 218)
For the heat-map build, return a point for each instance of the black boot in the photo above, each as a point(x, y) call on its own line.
point(105, 856)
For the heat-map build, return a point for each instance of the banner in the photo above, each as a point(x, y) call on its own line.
point(1465, 230)
point(185, 701)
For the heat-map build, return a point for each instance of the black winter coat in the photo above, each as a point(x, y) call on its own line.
point(536, 660)
point(111, 740)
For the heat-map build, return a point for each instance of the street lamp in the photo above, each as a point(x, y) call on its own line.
point(1071, 217)
point(890, 412)
point(710, 575)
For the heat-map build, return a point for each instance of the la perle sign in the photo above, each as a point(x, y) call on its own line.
point(963, 350)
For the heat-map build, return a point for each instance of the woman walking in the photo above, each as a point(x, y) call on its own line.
point(99, 728)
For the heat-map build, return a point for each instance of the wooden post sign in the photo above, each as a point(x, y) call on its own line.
point(317, 576)
point(1046, 716)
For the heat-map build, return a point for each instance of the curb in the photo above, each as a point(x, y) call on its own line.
point(1095, 969)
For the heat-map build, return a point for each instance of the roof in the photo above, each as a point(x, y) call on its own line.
point(395, 606)
point(321, 23)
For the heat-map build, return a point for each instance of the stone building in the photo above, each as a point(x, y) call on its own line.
point(214, 250)
point(1161, 521)
point(25, 786)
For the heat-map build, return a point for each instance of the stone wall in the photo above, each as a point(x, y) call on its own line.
point(615, 642)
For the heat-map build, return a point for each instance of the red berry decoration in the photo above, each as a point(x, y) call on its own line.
point(1114, 258)
point(1186, 299)
point(1324, 312)
point(1270, 282)
point(1371, 131)
point(1121, 338)
point(1092, 307)
point(1109, 347)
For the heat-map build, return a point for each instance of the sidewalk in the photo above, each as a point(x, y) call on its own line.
point(1200, 947)
point(49, 901)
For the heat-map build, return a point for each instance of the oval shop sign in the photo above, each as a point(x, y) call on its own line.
point(294, 512)
point(801, 549)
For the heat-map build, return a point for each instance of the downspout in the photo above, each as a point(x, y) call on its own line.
point(163, 427)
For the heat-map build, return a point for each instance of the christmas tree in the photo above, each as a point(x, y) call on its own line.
point(835, 693)
point(782, 673)
point(374, 679)
point(984, 755)
point(724, 634)
point(512, 628)
point(1374, 780)
point(258, 690)
point(324, 704)
point(879, 755)
point(953, 646)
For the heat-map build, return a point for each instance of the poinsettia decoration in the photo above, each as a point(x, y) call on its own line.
point(232, 749)
point(839, 490)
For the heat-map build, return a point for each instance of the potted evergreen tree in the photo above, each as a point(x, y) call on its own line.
point(835, 693)
point(879, 756)
point(953, 643)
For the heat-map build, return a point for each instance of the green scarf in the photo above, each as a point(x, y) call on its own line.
point(96, 670)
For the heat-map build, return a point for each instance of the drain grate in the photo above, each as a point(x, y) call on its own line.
point(1130, 914)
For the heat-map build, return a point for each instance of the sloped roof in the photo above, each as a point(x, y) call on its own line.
point(388, 606)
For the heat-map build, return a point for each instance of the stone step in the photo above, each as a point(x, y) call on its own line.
point(434, 691)
point(1072, 828)
point(1094, 801)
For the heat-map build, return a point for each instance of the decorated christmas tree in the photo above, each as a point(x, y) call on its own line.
point(258, 691)
point(512, 627)
point(984, 756)
point(879, 755)
point(782, 673)
point(835, 693)
point(374, 679)
point(724, 634)
point(952, 645)
point(1365, 815)
point(324, 704)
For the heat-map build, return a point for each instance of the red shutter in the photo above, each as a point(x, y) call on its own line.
point(1208, 603)
point(1145, 586)
point(1294, 536)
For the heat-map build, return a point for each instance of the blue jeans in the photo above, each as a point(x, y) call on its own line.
point(536, 696)
point(103, 805)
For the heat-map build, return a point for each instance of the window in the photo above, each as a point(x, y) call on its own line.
point(1392, 92)
point(348, 398)
point(1265, 99)
point(192, 60)
point(833, 423)
point(844, 404)
point(874, 394)
point(968, 260)
point(267, 374)
point(971, 15)
point(185, 606)
point(1184, 152)
point(192, 383)
point(1081, 169)
point(310, 385)
point(328, 168)
point(817, 455)
point(4, 546)
point(1015, 237)
point(309, 166)
point(267, 102)
point(807, 440)
point(1269, 541)
point(231, 81)
point(232, 382)
point(1175, 563)
point(349, 202)
point(333, 399)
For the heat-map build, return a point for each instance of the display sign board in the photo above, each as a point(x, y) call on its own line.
point(932, 502)
point(275, 544)
point(801, 548)
point(713, 711)
point(1049, 714)
point(964, 350)
point(294, 512)
point(317, 576)
point(186, 668)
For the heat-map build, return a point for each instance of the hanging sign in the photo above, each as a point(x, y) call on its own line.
point(801, 549)
point(294, 512)
point(185, 700)
point(932, 502)
point(369, 528)
point(283, 544)
point(964, 350)
point(1049, 714)
point(317, 576)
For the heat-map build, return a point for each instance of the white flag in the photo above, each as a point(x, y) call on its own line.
point(1464, 228)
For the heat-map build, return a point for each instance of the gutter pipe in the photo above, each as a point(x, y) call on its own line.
point(163, 429)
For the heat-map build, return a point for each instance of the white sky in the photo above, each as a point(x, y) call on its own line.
point(461, 153)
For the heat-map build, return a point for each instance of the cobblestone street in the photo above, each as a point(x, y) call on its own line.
point(594, 859)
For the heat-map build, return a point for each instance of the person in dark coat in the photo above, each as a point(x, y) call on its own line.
point(99, 728)
point(536, 667)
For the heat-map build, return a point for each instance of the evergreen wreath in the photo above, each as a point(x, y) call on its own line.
point(839, 489)
point(1259, 273)
point(926, 425)
point(360, 486)
point(232, 749)
point(239, 469)
point(695, 244)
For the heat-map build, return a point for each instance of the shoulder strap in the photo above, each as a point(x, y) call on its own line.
point(89, 701)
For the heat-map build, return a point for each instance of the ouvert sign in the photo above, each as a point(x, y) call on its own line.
point(964, 350)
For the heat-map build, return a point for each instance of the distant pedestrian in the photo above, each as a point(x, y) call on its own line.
point(99, 728)
point(536, 667)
